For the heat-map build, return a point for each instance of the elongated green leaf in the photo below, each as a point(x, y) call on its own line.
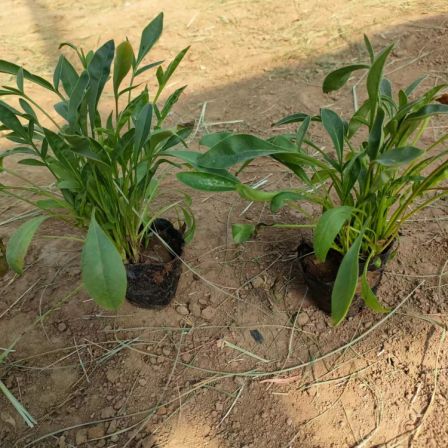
point(242, 232)
point(334, 125)
point(99, 70)
point(369, 297)
point(76, 97)
point(19, 79)
point(375, 75)
point(173, 65)
point(399, 156)
point(411, 87)
point(150, 36)
point(11, 122)
point(336, 79)
point(358, 119)
point(428, 111)
point(376, 135)
point(207, 181)
point(12, 69)
point(31, 162)
point(103, 272)
point(65, 73)
point(236, 149)
point(123, 62)
point(346, 281)
point(19, 243)
point(296, 118)
point(329, 225)
point(142, 126)
point(147, 67)
point(213, 139)
point(369, 48)
point(280, 199)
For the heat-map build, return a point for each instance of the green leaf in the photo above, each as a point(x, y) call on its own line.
point(399, 156)
point(296, 118)
point(280, 199)
point(428, 111)
point(147, 67)
point(31, 162)
point(346, 281)
point(77, 96)
point(12, 69)
point(19, 79)
point(236, 149)
point(19, 243)
point(207, 181)
point(411, 87)
point(370, 298)
point(164, 76)
point(98, 70)
point(328, 227)
point(150, 36)
point(123, 63)
point(336, 79)
point(376, 135)
point(334, 125)
point(103, 272)
point(375, 75)
point(142, 126)
point(9, 119)
point(369, 48)
point(213, 139)
point(242, 232)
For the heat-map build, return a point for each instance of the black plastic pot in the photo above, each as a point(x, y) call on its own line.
point(153, 285)
point(320, 277)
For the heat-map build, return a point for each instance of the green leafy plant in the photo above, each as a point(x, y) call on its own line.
point(378, 174)
point(106, 169)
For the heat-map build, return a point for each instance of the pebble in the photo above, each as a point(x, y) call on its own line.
point(62, 327)
point(142, 382)
point(186, 357)
point(208, 313)
point(114, 438)
point(289, 421)
point(81, 436)
point(219, 406)
point(112, 427)
point(61, 442)
point(195, 309)
point(166, 351)
point(107, 412)
point(95, 432)
point(182, 310)
point(162, 411)
point(303, 319)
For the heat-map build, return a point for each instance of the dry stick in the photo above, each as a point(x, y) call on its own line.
point(19, 298)
point(240, 391)
point(439, 283)
point(349, 344)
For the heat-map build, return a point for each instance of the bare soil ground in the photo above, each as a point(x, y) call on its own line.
point(194, 374)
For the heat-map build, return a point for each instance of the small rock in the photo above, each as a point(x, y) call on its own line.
point(182, 310)
point(203, 301)
point(142, 382)
point(208, 313)
point(101, 443)
point(62, 327)
point(186, 357)
point(61, 442)
point(107, 412)
point(166, 351)
point(119, 404)
point(219, 406)
point(95, 432)
point(112, 427)
point(162, 411)
point(206, 430)
point(114, 438)
point(195, 309)
point(8, 418)
point(303, 319)
point(81, 436)
point(153, 360)
point(289, 421)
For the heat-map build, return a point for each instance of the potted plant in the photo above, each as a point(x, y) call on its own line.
point(106, 169)
point(378, 174)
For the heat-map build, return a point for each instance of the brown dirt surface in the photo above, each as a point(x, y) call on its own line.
point(240, 358)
